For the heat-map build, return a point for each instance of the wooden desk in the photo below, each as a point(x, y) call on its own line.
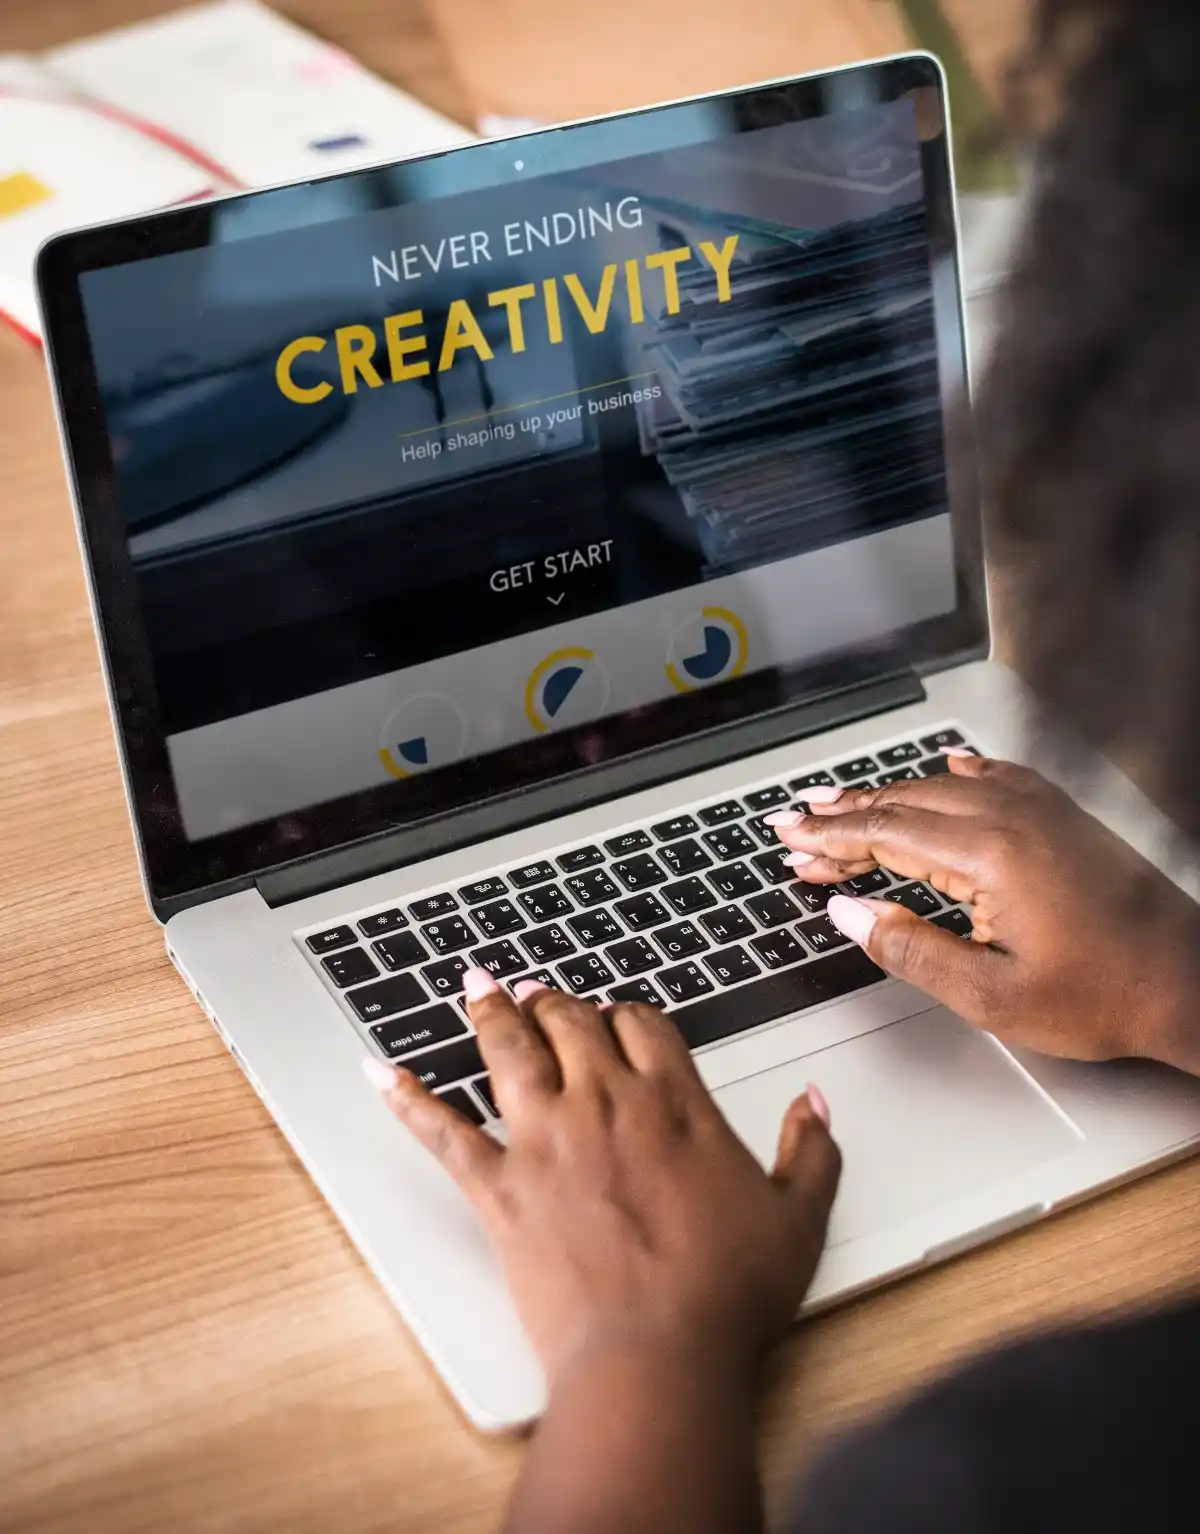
point(187, 1340)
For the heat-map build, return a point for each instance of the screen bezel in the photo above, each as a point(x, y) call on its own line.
point(178, 872)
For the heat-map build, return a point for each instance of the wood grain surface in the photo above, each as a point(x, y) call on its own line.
point(187, 1339)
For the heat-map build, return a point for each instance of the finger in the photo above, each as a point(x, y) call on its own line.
point(965, 976)
point(814, 870)
point(523, 1067)
point(947, 793)
point(650, 1041)
point(808, 1164)
point(577, 1031)
point(949, 850)
point(462, 1149)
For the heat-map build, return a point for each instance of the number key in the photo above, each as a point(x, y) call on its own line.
point(684, 857)
point(637, 873)
point(730, 842)
point(448, 935)
point(497, 919)
point(546, 903)
point(592, 887)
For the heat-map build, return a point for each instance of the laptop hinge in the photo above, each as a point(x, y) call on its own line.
point(611, 780)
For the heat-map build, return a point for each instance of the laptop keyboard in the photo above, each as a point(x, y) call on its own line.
point(696, 913)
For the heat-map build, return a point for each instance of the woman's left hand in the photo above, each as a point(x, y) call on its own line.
point(625, 1211)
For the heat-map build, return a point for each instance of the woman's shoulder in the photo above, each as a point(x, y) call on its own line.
point(1095, 1427)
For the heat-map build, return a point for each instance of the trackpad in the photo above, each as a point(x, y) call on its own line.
point(925, 1111)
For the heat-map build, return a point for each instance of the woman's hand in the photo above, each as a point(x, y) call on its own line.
point(624, 1210)
point(1080, 947)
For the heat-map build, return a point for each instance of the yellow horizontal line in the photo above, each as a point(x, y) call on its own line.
point(528, 405)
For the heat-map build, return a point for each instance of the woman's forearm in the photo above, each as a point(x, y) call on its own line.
point(642, 1441)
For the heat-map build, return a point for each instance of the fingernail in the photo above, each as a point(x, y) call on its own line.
point(823, 795)
point(783, 818)
point(956, 751)
point(526, 988)
point(798, 859)
point(478, 983)
point(818, 1103)
point(855, 919)
point(379, 1073)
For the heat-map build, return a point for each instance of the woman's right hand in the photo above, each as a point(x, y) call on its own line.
point(1080, 947)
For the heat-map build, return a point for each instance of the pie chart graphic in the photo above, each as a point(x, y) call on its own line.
point(712, 646)
point(567, 688)
point(429, 730)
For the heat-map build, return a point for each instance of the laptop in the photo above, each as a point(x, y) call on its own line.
point(480, 548)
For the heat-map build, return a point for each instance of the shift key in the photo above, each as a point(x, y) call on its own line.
point(399, 994)
point(419, 1030)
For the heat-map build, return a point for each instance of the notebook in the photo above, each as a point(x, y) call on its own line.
point(203, 101)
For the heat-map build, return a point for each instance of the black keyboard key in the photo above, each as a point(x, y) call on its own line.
point(498, 919)
point(433, 1026)
point(641, 912)
point(719, 814)
point(935, 767)
point(499, 959)
point(632, 841)
point(813, 780)
point(900, 775)
point(399, 993)
point(542, 976)
point(684, 983)
point(484, 1087)
point(632, 957)
point(812, 898)
point(483, 889)
point(581, 858)
point(774, 909)
point(734, 882)
point(462, 1102)
point(547, 944)
point(688, 896)
point(592, 887)
point(767, 836)
point(533, 873)
point(636, 990)
point(334, 937)
point(546, 903)
point(860, 767)
point(772, 867)
point(957, 922)
point(594, 928)
point(448, 935)
point(442, 1067)
point(767, 798)
point(382, 922)
point(585, 973)
point(730, 966)
point(730, 842)
point(919, 898)
point(401, 951)
point(867, 884)
point(684, 857)
point(896, 756)
point(445, 977)
point(939, 742)
point(728, 925)
point(821, 935)
point(672, 830)
point(681, 941)
point(778, 949)
point(730, 1012)
point(638, 873)
point(432, 906)
point(349, 968)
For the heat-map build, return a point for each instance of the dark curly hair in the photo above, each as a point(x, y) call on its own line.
point(1089, 420)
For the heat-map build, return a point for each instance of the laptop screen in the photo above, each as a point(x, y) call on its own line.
point(486, 468)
